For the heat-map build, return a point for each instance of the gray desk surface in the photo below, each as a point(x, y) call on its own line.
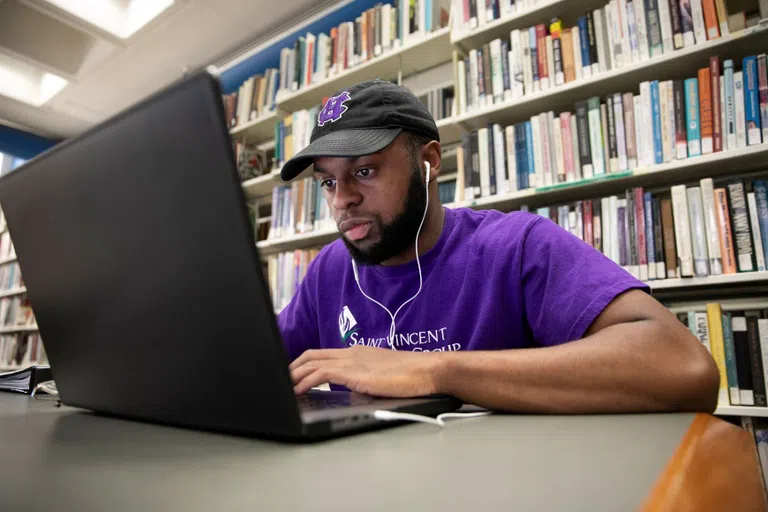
point(65, 459)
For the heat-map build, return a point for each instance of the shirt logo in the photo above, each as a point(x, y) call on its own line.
point(347, 324)
point(333, 109)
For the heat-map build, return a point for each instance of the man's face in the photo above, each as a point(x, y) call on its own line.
point(377, 200)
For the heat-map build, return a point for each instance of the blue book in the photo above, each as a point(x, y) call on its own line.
point(584, 42)
point(529, 153)
point(751, 100)
point(522, 158)
point(692, 126)
point(761, 198)
point(428, 17)
point(729, 130)
point(658, 148)
point(650, 243)
point(532, 42)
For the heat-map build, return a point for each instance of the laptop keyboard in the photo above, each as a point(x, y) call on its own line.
point(316, 400)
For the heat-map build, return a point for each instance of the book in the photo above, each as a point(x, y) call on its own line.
point(698, 232)
point(650, 241)
point(756, 236)
point(756, 357)
point(653, 27)
point(595, 136)
point(686, 21)
point(738, 109)
point(641, 29)
point(710, 223)
point(665, 21)
point(751, 100)
point(586, 63)
point(585, 152)
point(710, 19)
point(601, 36)
point(682, 230)
point(605, 132)
point(743, 365)
point(629, 128)
point(693, 133)
point(667, 135)
point(681, 137)
point(741, 232)
point(762, 74)
point(621, 142)
point(714, 76)
point(729, 130)
point(677, 24)
point(716, 339)
point(592, 40)
point(699, 26)
point(761, 201)
point(658, 240)
point(576, 39)
point(556, 30)
point(723, 215)
point(730, 359)
point(658, 150)
point(25, 380)
point(566, 41)
point(722, 17)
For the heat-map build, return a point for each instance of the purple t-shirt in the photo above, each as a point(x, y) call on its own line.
point(492, 281)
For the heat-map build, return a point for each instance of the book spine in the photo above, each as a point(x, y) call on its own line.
point(751, 100)
point(529, 150)
point(682, 230)
point(640, 129)
point(613, 152)
point(589, 236)
point(705, 111)
point(603, 46)
point(649, 235)
point(677, 24)
point(622, 12)
point(502, 182)
point(681, 139)
point(710, 19)
point(642, 29)
point(658, 239)
point(665, 21)
point(629, 127)
point(595, 136)
point(511, 154)
point(725, 234)
point(743, 366)
point(755, 357)
point(658, 151)
point(648, 124)
point(621, 141)
point(575, 143)
point(569, 70)
point(615, 34)
point(756, 236)
point(738, 110)
point(730, 360)
point(761, 199)
point(667, 148)
point(550, 60)
point(699, 27)
point(547, 149)
point(698, 232)
point(586, 63)
point(730, 106)
point(622, 241)
point(668, 235)
point(686, 20)
point(567, 142)
point(633, 40)
point(716, 340)
point(525, 48)
point(555, 29)
point(740, 225)
point(692, 116)
point(535, 63)
point(710, 223)
point(541, 53)
point(717, 128)
point(582, 123)
point(638, 202)
point(592, 39)
point(557, 136)
point(487, 74)
point(604, 130)
point(762, 74)
point(654, 27)
point(722, 16)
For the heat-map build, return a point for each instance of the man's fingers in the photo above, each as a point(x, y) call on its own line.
point(311, 355)
point(298, 373)
point(313, 378)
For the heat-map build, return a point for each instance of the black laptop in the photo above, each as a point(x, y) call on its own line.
point(141, 265)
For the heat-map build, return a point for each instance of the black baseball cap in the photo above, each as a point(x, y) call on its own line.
point(361, 120)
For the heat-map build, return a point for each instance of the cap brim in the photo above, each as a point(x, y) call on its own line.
point(348, 143)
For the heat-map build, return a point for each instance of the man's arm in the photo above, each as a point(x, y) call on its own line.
point(635, 357)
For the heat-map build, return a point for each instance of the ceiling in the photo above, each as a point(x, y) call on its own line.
point(108, 74)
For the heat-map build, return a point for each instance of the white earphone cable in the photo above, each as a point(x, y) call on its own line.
point(392, 328)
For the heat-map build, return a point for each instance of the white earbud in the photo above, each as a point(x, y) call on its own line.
point(392, 326)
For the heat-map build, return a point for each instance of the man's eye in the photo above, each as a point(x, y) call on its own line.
point(327, 183)
point(365, 172)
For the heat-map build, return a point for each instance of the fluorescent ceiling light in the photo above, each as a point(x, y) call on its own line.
point(119, 17)
point(22, 82)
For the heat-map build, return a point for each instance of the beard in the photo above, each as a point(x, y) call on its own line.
point(399, 234)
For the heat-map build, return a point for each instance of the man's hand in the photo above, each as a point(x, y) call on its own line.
point(374, 371)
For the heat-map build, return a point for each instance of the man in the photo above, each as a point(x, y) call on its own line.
point(506, 311)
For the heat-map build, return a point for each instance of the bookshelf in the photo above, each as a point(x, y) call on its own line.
point(12, 292)
point(739, 410)
point(18, 328)
point(418, 57)
point(9, 259)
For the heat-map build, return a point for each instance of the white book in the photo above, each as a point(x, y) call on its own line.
point(538, 180)
point(499, 160)
point(614, 227)
point(550, 61)
point(485, 162)
point(386, 26)
point(633, 41)
point(527, 63)
point(462, 86)
point(605, 223)
point(757, 239)
point(666, 148)
point(577, 66)
point(517, 76)
point(567, 140)
point(626, 47)
point(611, 31)
point(728, 141)
point(682, 230)
point(665, 20)
point(698, 232)
point(405, 24)
point(671, 118)
point(506, 7)
point(739, 112)
point(596, 141)
point(509, 132)
point(422, 6)
point(645, 95)
point(551, 124)
point(699, 27)
point(497, 76)
point(601, 40)
point(482, 14)
point(621, 136)
point(474, 86)
point(546, 149)
point(762, 330)
point(710, 222)
point(642, 30)
point(702, 329)
point(575, 145)
point(639, 129)
point(557, 136)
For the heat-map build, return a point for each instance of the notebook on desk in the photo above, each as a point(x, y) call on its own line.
point(24, 380)
point(141, 265)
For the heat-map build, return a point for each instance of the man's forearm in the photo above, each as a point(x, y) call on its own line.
point(634, 366)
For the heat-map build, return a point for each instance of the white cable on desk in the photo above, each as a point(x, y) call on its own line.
point(404, 416)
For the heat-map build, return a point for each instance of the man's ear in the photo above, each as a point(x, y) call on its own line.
point(432, 153)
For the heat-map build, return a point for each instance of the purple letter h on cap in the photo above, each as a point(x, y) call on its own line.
point(333, 109)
